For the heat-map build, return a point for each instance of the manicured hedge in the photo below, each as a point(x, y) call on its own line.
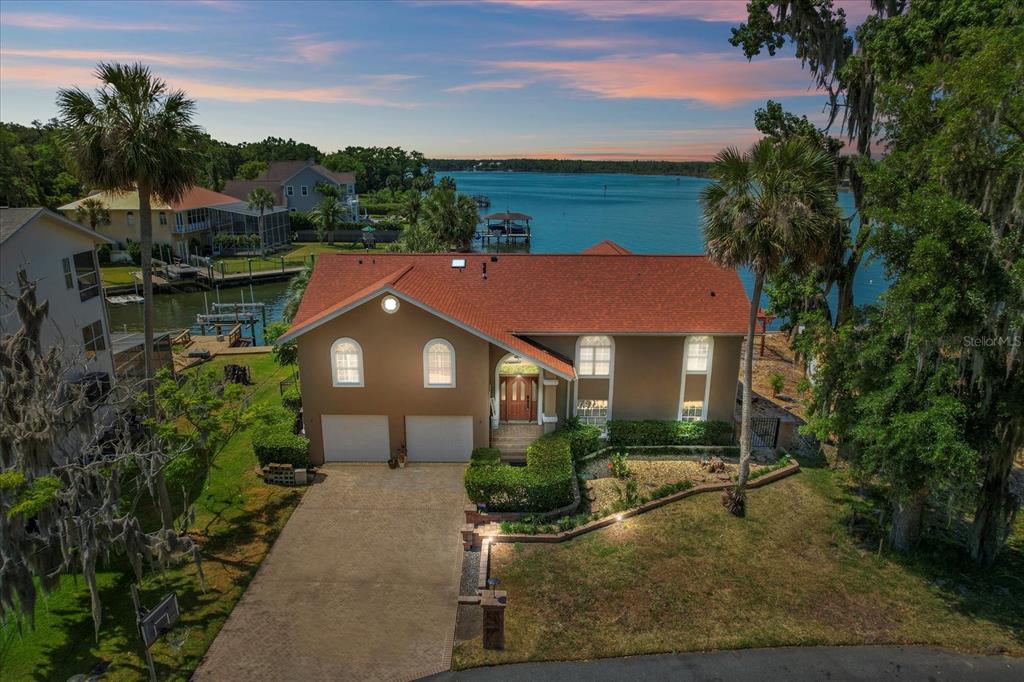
point(545, 482)
point(292, 398)
point(485, 457)
point(651, 432)
point(583, 440)
point(276, 444)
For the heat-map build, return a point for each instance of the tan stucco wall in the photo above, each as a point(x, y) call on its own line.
point(647, 370)
point(393, 372)
point(725, 369)
point(120, 231)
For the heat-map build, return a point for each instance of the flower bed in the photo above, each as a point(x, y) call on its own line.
point(606, 491)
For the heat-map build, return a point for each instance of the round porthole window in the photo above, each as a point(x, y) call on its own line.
point(390, 304)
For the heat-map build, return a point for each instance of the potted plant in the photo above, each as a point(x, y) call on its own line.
point(402, 456)
point(393, 462)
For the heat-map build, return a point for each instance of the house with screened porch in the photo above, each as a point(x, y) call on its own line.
point(438, 354)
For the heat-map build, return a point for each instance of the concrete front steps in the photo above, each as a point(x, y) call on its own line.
point(513, 439)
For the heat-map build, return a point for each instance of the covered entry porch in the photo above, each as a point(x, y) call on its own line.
point(524, 402)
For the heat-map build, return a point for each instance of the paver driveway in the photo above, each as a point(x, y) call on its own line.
point(362, 584)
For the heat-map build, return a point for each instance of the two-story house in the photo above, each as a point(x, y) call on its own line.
point(189, 225)
point(59, 255)
point(293, 184)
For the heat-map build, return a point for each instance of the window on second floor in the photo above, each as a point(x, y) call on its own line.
point(289, 190)
point(129, 218)
point(438, 364)
point(304, 190)
point(697, 350)
point(595, 356)
point(163, 218)
point(347, 363)
point(87, 275)
point(93, 339)
point(69, 275)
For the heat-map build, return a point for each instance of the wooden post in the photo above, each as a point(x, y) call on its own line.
point(138, 621)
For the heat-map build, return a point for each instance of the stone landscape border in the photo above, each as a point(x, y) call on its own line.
point(482, 536)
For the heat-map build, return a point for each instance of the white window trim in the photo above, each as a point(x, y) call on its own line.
point(334, 369)
point(706, 374)
point(304, 190)
point(426, 364)
point(611, 358)
point(289, 191)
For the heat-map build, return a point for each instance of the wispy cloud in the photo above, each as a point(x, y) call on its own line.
point(50, 76)
point(62, 22)
point(716, 79)
point(605, 43)
point(93, 56)
point(312, 49)
point(503, 84)
point(732, 11)
point(223, 5)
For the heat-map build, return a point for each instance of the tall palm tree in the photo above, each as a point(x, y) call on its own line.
point(763, 210)
point(92, 212)
point(134, 133)
point(293, 294)
point(327, 214)
point(261, 199)
point(451, 216)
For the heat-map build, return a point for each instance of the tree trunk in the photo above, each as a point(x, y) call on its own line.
point(146, 247)
point(746, 437)
point(906, 521)
point(995, 511)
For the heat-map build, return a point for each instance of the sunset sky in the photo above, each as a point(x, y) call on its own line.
point(504, 78)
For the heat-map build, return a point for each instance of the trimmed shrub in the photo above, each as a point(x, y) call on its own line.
point(542, 485)
point(292, 398)
point(583, 440)
point(269, 415)
point(652, 432)
point(485, 457)
point(276, 444)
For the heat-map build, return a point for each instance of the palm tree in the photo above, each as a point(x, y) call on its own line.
point(451, 216)
point(293, 294)
point(759, 212)
point(92, 212)
point(135, 134)
point(327, 214)
point(260, 199)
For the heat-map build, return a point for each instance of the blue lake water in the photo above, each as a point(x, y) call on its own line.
point(644, 213)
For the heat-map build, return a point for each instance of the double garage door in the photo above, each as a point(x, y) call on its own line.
point(366, 438)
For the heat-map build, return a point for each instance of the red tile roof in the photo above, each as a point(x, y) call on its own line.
point(607, 248)
point(240, 189)
point(535, 294)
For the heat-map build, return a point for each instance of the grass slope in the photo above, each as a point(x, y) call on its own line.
point(691, 577)
point(237, 519)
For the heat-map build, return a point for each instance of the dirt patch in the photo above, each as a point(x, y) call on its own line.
point(778, 359)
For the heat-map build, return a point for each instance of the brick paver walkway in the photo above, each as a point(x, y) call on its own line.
point(362, 584)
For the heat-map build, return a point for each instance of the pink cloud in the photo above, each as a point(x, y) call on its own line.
point(598, 43)
point(313, 50)
point(59, 22)
point(55, 76)
point(716, 79)
point(504, 84)
point(93, 56)
point(731, 11)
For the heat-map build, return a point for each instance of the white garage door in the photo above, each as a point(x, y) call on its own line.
point(439, 439)
point(355, 438)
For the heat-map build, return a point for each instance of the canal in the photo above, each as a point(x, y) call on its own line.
point(174, 312)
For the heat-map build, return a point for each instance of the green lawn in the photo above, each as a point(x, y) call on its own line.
point(237, 519)
point(112, 275)
point(690, 577)
point(297, 256)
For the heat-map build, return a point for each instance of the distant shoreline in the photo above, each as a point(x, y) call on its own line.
point(699, 169)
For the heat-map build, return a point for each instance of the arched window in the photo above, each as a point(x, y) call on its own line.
point(697, 348)
point(695, 388)
point(438, 364)
point(594, 358)
point(347, 362)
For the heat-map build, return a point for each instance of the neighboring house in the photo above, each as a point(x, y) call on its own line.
point(60, 256)
point(189, 225)
point(442, 353)
point(293, 184)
